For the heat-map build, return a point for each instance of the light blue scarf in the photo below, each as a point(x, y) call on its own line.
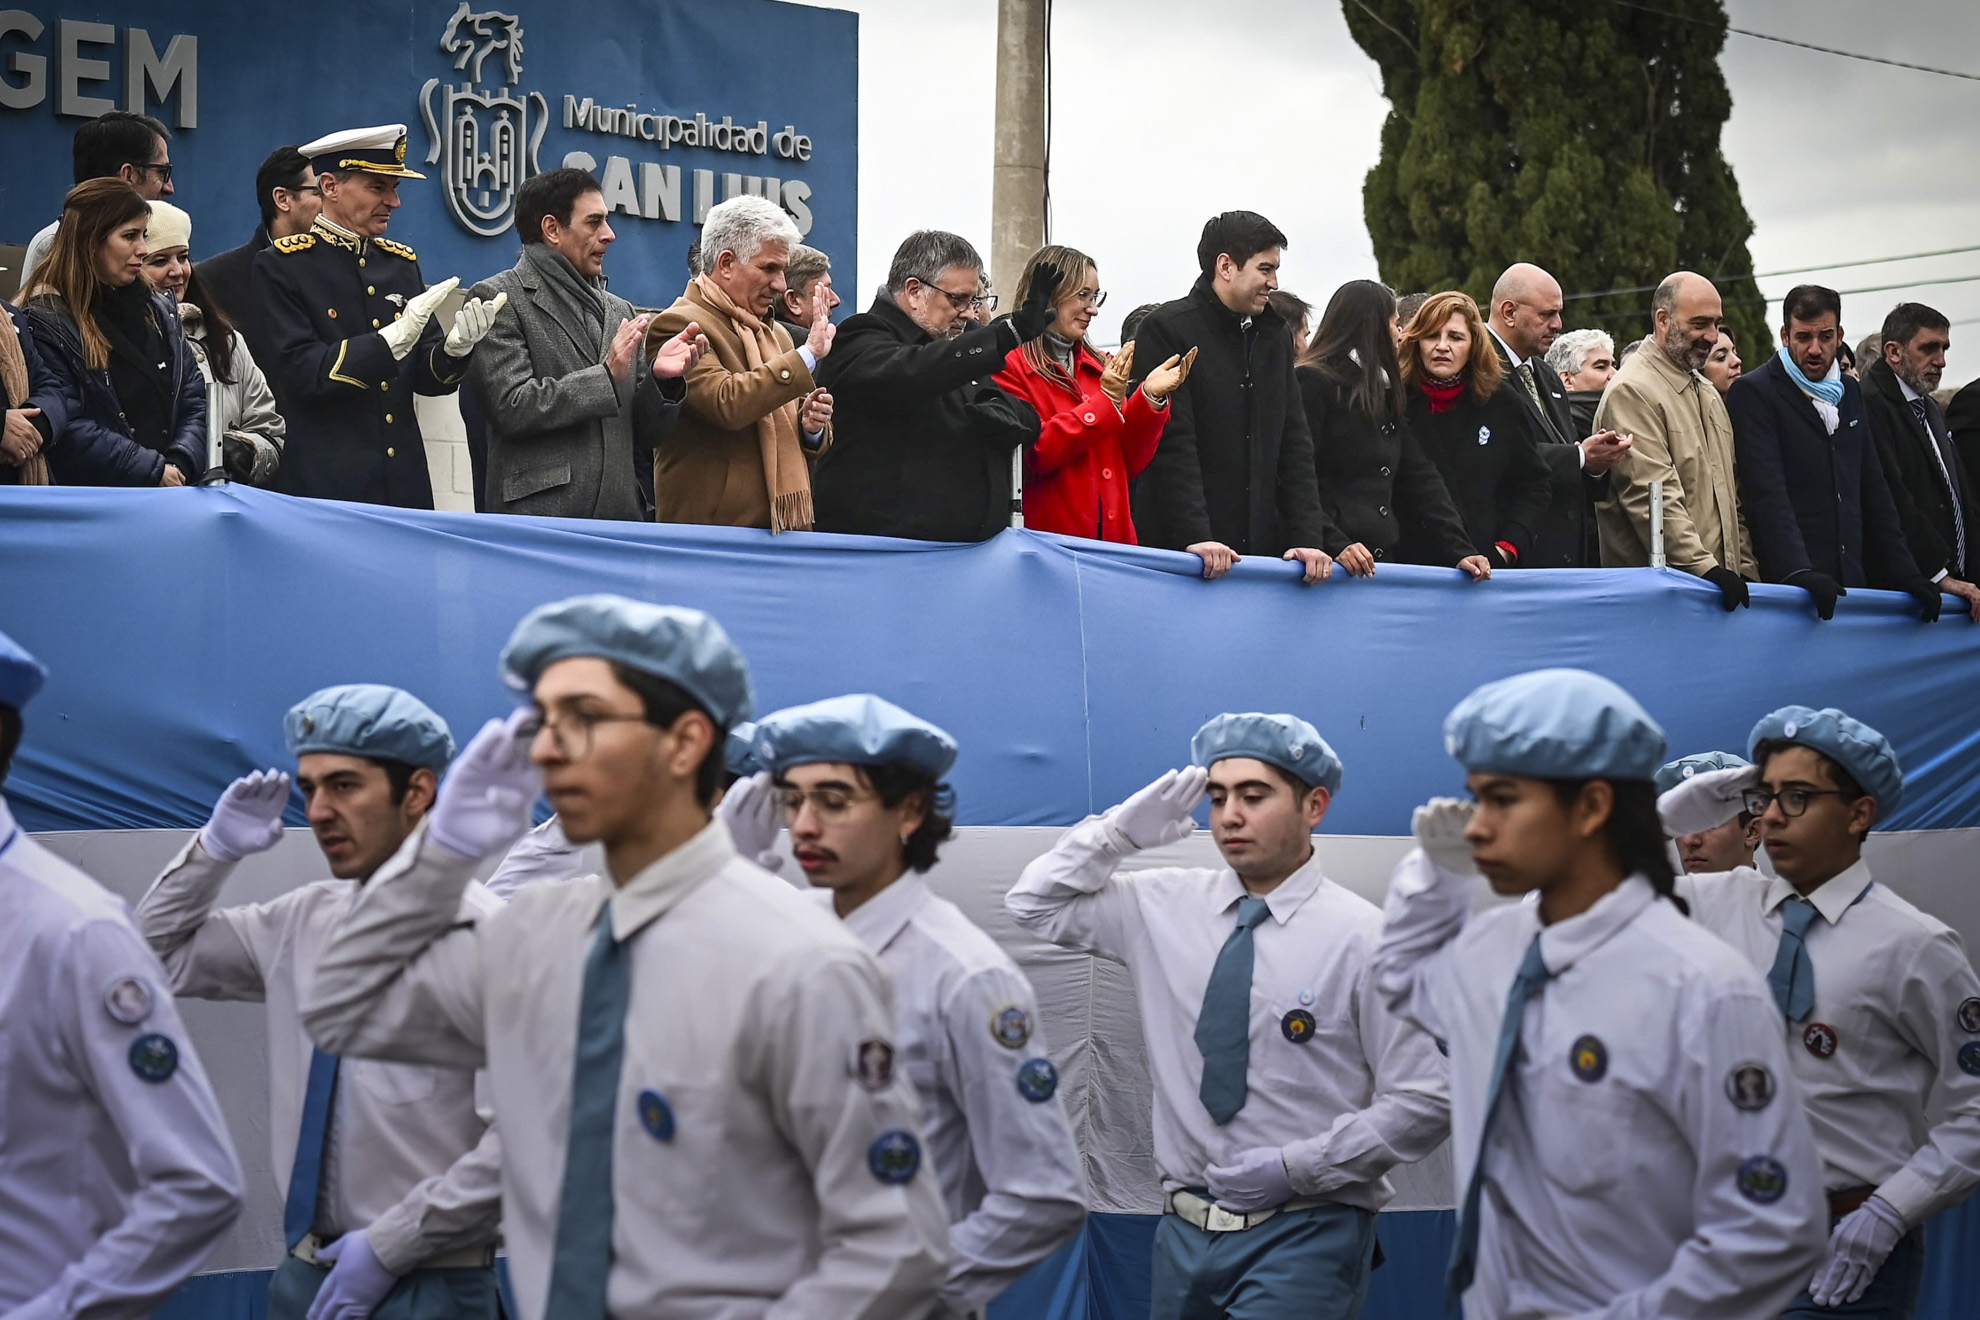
point(1828, 391)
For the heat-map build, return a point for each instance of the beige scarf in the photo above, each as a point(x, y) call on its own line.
point(777, 431)
point(14, 378)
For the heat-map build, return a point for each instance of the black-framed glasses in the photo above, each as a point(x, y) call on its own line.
point(1794, 801)
point(164, 171)
point(961, 301)
point(571, 732)
point(305, 187)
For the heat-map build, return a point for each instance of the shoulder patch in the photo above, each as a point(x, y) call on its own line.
point(396, 248)
point(295, 243)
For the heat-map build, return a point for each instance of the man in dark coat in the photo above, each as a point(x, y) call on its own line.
point(922, 438)
point(1811, 485)
point(286, 192)
point(352, 334)
point(1525, 319)
point(1963, 419)
point(1234, 473)
point(1929, 484)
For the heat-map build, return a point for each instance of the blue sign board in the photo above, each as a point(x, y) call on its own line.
point(674, 104)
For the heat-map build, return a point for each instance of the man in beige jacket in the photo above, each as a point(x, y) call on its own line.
point(739, 454)
point(1681, 436)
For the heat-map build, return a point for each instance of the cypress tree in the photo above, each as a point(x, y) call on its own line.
point(1578, 135)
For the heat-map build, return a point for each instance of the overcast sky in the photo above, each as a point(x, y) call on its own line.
point(1837, 159)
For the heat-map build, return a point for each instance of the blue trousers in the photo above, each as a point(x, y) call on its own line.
point(1892, 1295)
point(1299, 1265)
point(468, 1294)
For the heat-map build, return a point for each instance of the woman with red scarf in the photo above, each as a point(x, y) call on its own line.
point(1475, 433)
point(1094, 435)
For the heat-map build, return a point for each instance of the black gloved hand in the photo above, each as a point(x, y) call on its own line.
point(1035, 317)
point(1731, 585)
point(1825, 589)
point(1927, 595)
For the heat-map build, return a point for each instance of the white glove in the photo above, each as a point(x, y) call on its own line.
point(357, 1282)
point(1857, 1250)
point(1706, 801)
point(402, 334)
point(1258, 1181)
point(752, 809)
point(1439, 826)
point(1160, 813)
point(248, 817)
point(484, 803)
point(472, 322)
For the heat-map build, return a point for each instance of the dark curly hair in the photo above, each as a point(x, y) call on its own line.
point(896, 782)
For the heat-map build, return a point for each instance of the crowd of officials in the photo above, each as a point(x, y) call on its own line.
point(1233, 421)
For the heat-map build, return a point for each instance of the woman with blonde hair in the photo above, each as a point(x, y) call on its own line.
point(1095, 435)
point(1474, 431)
point(115, 345)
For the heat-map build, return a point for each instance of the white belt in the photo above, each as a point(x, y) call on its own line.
point(466, 1258)
point(1207, 1215)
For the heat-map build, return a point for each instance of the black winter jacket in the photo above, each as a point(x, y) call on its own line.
point(1376, 484)
point(1926, 476)
point(1492, 467)
point(96, 447)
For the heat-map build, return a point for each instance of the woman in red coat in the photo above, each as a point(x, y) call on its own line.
point(1094, 436)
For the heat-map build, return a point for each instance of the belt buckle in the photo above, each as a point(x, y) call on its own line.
point(1220, 1220)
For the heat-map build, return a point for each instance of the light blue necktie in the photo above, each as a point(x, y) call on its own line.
point(1532, 975)
point(306, 1174)
point(1223, 1028)
point(1792, 977)
point(582, 1261)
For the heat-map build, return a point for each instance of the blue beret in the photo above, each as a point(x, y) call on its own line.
point(1676, 772)
point(1868, 755)
point(739, 753)
point(21, 675)
point(1555, 724)
point(855, 730)
point(685, 647)
point(1286, 741)
point(369, 720)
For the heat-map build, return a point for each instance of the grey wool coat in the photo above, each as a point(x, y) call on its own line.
point(561, 431)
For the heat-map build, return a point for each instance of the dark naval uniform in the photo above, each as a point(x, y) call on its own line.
point(349, 404)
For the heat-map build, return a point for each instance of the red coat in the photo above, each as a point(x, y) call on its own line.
point(1076, 476)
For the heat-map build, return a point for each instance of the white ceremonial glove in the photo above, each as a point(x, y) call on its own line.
point(402, 334)
point(357, 1282)
point(1160, 813)
point(751, 809)
point(248, 817)
point(484, 803)
point(1706, 801)
point(1439, 826)
point(472, 322)
point(1857, 1250)
point(1258, 1181)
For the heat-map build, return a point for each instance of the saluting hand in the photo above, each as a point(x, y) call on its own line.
point(1162, 812)
point(1706, 800)
point(752, 809)
point(1439, 827)
point(248, 817)
point(484, 803)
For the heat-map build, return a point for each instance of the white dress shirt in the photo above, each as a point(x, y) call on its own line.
point(749, 1007)
point(1901, 1002)
point(409, 1156)
point(1645, 1124)
point(1358, 1094)
point(1010, 1173)
point(113, 1187)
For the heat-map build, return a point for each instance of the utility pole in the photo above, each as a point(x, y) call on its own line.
point(1017, 173)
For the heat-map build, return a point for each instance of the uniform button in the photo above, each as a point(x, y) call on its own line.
point(391, 453)
point(385, 387)
point(1385, 472)
point(374, 323)
point(369, 289)
point(360, 261)
point(1381, 509)
point(1381, 554)
point(388, 417)
point(1106, 474)
point(783, 375)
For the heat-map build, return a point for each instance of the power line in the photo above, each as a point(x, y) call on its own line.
point(1775, 274)
point(1764, 301)
point(1804, 45)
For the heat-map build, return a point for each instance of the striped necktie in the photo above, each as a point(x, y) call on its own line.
point(582, 1261)
point(1947, 468)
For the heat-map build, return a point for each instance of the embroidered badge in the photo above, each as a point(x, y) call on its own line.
point(894, 1157)
point(873, 1064)
point(1297, 1026)
point(1590, 1059)
point(1969, 1058)
point(656, 1115)
point(1969, 1016)
point(127, 1000)
point(1484, 434)
point(1763, 1180)
point(1821, 1039)
point(154, 1057)
point(1750, 1086)
point(1010, 1026)
point(1037, 1079)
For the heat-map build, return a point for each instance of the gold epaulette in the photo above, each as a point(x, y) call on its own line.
point(295, 243)
point(397, 249)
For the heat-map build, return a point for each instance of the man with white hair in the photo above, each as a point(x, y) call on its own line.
point(738, 455)
point(1585, 360)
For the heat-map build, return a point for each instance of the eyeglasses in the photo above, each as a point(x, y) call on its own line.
point(164, 171)
point(572, 732)
point(827, 803)
point(1794, 801)
point(305, 187)
point(960, 301)
point(1094, 298)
